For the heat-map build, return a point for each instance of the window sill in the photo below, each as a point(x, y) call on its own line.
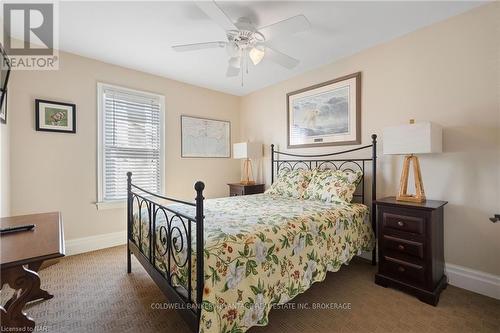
point(104, 205)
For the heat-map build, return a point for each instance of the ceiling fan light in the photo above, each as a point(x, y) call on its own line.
point(256, 55)
point(235, 62)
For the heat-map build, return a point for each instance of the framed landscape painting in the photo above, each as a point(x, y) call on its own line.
point(326, 114)
point(55, 116)
point(201, 137)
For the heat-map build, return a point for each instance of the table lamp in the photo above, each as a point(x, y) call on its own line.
point(247, 151)
point(415, 138)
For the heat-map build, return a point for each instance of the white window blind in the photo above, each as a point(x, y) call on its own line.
point(131, 138)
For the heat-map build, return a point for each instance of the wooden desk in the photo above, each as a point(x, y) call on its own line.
point(27, 248)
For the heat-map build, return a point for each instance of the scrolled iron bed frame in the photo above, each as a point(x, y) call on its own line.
point(172, 238)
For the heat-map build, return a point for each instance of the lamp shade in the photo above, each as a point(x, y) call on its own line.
point(256, 54)
point(418, 138)
point(245, 150)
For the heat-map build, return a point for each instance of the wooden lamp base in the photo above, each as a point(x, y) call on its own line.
point(403, 195)
point(247, 173)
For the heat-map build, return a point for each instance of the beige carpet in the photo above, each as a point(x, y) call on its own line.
point(93, 293)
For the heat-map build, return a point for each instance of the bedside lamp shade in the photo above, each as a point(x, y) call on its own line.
point(244, 150)
point(419, 138)
point(247, 151)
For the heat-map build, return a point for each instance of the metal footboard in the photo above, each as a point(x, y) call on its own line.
point(161, 238)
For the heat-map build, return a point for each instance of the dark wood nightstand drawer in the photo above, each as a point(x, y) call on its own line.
point(407, 223)
point(240, 189)
point(404, 246)
point(254, 189)
point(234, 191)
point(403, 270)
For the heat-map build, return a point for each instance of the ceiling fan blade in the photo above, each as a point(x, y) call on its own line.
point(286, 27)
point(281, 58)
point(198, 46)
point(216, 14)
point(232, 71)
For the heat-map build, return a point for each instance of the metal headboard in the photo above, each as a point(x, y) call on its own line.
point(330, 161)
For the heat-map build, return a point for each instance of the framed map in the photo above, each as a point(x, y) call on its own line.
point(202, 137)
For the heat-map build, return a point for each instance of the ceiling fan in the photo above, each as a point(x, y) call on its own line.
point(245, 41)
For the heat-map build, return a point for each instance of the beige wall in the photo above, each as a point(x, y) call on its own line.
point(447, 73)
point(4, 168)
point(55, 171)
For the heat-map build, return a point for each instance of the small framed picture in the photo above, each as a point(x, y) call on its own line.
point(55, 116)
point(3, 110)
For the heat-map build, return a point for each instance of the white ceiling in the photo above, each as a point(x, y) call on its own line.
point(139, 35)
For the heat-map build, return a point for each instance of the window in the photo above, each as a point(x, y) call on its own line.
point(130, 139)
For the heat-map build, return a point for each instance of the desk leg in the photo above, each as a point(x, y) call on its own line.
point(39, 293)
point(3, 316)
point(24, 281)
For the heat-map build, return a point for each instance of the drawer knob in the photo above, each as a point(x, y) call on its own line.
point(401, 247)
point(401, 223)
point(401, 269)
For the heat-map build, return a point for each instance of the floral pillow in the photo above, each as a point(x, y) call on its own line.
point(333, 185)
point(290, 183)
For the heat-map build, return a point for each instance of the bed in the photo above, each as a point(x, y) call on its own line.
point(247, 253)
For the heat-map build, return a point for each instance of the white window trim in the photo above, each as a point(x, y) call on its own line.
point(118, 204)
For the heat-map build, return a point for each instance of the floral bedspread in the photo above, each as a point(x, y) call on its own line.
point(262, 250)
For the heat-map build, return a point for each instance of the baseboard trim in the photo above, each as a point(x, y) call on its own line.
point(93, 243)
point(476, 281)
point(365, 255)
point(466, 278)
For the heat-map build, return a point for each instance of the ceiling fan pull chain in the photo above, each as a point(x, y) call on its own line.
point(246, 61)
point(241, 66)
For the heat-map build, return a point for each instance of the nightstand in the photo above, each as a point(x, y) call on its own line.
point(240, 189)
point(410, 243)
